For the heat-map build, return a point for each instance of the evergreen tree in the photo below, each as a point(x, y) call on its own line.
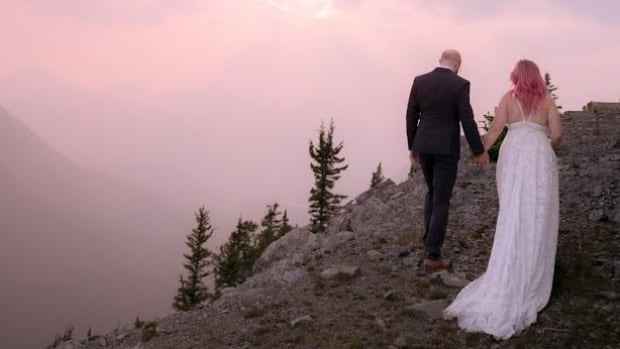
point(193, 291)
point(236, 259)
point(285, 227)
point(326, 168)
point(271, 227)
point(494, 150)
point(377, 177)
point(551, 88)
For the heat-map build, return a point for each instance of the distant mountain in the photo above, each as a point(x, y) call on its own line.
point(78, 247)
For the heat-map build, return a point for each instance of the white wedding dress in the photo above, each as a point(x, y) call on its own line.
point(517, 283)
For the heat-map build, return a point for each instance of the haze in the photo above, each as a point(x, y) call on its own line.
point(207, 102)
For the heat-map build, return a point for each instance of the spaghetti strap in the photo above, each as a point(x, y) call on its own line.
point(521, 110)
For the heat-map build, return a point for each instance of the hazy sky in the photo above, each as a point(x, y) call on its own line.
point(214, 101)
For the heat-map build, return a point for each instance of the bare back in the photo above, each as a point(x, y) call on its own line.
point(540, 116)
point(508, 112)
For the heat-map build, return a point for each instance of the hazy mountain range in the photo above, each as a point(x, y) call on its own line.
point(78, 247)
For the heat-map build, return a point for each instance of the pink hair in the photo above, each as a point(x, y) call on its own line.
point(529, 87)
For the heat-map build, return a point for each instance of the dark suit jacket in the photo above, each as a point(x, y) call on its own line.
point(438, 101)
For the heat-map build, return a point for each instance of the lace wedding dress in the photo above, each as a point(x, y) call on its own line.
point(517, 283)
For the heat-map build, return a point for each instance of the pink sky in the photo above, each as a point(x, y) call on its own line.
point(213, 102)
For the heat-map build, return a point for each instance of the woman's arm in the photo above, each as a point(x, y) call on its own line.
point(499, 122)
point(555, 125)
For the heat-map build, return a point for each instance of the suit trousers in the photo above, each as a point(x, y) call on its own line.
point(440, 174)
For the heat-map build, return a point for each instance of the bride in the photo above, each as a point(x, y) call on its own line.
point(517, 283)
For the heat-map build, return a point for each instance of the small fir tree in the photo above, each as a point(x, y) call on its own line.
point(285, 227)
point(236, 259)
point(412, 171)
point(271, 224)
point(326, 167)
point(377, 177)
point(551, 89)
point(192, 290)
point(138, 323)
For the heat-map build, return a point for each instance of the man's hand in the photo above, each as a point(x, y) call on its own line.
point(482, 159)
point(414, 157)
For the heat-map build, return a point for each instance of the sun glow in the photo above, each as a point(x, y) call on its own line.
point(319, 9)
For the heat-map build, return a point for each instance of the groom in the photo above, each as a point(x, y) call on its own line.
point(439, 100)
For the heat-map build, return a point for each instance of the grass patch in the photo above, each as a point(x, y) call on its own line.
point(383, 270)
point(149, 331)
point(437, 294)
point(479, 233)
point(261, 330)
point(253, 311)
point(422, 286)
point(344, 278)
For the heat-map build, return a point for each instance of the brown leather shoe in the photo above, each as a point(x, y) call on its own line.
point(433, 265)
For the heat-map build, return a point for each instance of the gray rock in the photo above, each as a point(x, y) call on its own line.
point(374, 255)
point(331, 243)
point(409, 261)
point(397, 195)
point(225, 291)
point(390, 295)
point(429, 310)
point(596, 215)
point(329, 274)
point(292, 276)
point(401, 342)
point(615, 216)
point(293, 247)
point(453, 280)
point(306, 319)
point(66, 345)
point(346, 270)
point(350, 270)
point(612, 296)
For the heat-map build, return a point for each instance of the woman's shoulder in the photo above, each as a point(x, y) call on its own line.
point(507, 98)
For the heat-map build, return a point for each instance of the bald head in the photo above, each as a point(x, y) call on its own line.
point(451, 58)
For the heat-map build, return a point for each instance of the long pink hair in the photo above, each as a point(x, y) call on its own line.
point(529, 87)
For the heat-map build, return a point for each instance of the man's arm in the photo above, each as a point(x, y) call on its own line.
point(466, 117)
point(413, 116)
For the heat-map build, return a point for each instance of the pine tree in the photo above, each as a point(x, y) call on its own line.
point(326, 168)
point(193, 291)
point(236, 259)
point(271, 226)
point(486, 124)
point(551, 88)
point(285, 227)
point(377, 177)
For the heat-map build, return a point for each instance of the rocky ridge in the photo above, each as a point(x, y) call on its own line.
point(358, 286)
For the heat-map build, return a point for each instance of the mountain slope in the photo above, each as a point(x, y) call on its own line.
point(357, 286)
point(77, 247)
